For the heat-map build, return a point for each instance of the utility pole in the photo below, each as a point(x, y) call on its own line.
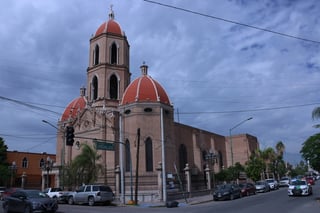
point(137, 169)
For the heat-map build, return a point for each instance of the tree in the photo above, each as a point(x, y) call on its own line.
point(255, 166)
point(279, 164)
point(280, 148)
point(299, 169)
point(85, 167)
point(268, 155)
point(316, 115)
point(311, 151)
point(4, 166)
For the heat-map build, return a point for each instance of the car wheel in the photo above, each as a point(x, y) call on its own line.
point(5, 208)
point(70, 201)
point(231, 197)
point(27, 209)
point(91, 201)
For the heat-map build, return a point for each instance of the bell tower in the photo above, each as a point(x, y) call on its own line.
point(108, 71)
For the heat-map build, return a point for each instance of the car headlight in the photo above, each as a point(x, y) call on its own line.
point(36, 205)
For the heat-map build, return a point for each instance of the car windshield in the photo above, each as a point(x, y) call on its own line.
point(284, 178)
point(270, 181)
point(36, 194)
point(299, 182)
point(224, 186)
point(259, 183)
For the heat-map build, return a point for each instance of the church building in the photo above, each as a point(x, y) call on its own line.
point(131, 123)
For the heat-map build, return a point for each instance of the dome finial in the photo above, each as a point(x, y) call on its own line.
point(111, 13)
point(144, 68)
point(82, 91)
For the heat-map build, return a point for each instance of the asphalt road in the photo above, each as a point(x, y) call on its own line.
point(270, 202)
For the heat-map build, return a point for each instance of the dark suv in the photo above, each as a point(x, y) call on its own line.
point(91, 194)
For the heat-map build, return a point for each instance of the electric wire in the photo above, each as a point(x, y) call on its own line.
point(233, 22)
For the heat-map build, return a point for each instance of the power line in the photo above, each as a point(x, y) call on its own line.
point(29, 105)
point(233, 22)
point(251, 110)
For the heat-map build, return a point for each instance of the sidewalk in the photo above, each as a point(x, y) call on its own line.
point(181, 202)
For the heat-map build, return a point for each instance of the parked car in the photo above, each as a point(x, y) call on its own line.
point(29, 201)
point(272, 183)
point(2, 189)
point(310, 180)
point(227, 192)
point(55, 193)
point(91, 194)
point(299, 188)
point(284, 182)
point(247, 189)
point(8, 191)
point(262, 186)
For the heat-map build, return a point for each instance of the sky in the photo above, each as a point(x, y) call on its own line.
point(220, 62)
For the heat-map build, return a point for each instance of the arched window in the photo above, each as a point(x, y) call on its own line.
point(113, 83)
point(128, 156)
point(114, 54)
point(149, 155)
point(41, 163)
point(183, 158)
point(96, 55)
point(25, 163)
point(94, 88)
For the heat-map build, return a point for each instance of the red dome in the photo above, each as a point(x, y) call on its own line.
point(110, 26)
point(74, 108)
point(145, 89)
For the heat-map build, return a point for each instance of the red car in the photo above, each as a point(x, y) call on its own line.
point(247, 189)
point(9, 191)
point(310, 180)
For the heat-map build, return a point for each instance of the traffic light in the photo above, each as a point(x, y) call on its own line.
point(69, 136)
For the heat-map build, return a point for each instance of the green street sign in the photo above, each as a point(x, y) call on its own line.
point(102, 145)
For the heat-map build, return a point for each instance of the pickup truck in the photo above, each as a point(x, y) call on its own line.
point(91, 194)
point(55, 193)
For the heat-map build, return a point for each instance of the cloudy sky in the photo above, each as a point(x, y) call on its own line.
point(212, 57)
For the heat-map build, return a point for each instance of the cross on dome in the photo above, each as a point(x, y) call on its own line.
point(111, 14)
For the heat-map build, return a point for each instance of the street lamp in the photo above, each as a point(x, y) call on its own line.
point(13, 169)
point(61, 179)
point(231, 148)
point(48, 167)
point(211, 158)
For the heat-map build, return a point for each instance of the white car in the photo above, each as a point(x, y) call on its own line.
point(284, 181)
point(272, 183)
point(299, 188)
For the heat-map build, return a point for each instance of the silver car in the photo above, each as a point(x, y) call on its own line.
point(262, 186)
point(91, 194)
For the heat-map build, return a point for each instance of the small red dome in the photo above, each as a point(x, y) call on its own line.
point(145, 89)
point(110, 26)
point(73, 108)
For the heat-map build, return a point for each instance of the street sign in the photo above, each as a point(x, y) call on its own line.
point(104, 145)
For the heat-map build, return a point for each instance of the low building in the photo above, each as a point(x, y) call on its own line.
point(31, 170)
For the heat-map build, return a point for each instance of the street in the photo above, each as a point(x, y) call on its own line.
point(274, 201)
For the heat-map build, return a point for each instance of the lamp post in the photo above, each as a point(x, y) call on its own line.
point(13, 169)
point(211, 158)
point(48, 167)
point(231, 148)
point(61, 179)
